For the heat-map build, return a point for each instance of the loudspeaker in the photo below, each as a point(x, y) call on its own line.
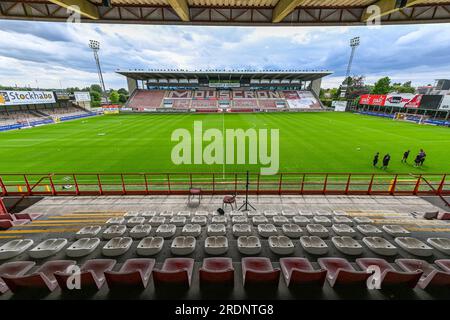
point(220, 211)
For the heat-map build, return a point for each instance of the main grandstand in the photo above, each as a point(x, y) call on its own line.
point(227, 91)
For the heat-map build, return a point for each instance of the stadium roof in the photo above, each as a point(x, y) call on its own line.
point(230, 12)
point(301, 75)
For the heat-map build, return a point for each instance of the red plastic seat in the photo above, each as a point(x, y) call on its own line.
point(431, 276)
point(175, 271)
point(6, 223)
point(217, 270)
point(299, 271)
point(91, 274)
point(389, 276)
point(133, 273)
point(16, 268)
point(43, 278)
point(444, 264)
point(341, 272)
point(444, 216)
point(257, 270)
point(28, 216)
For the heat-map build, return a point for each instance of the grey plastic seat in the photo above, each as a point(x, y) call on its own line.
point(157, 221)
point(342, 220)
point(166, 214)
point(115, 220)
point(259, 220)
point(47, 248)
point(186, 214)
point(340, 213)
point(249, 245)
point(281, 245)
point(270, 213)
point(343, 230)
point(239, 219)
point(193, 230)
point(380, 246)
point(201, 213)
point(150, 246)
point(88, 232)
point(117, 246)
point(289, 213)
point(82, 247)
point(306, 213)
point(369, 230)
point(313, 245)
point(182, 245)
point(166, 230)
point(395, 230)
point(325, 221)
point(216, 245)
point(363, 220)
point(135, 221)
point(414, 246)
point(441, 244)
point(280, 220)
point(216, 230)
point(219, 219)
point(267, 230)
point(140, 231)
point(131, 214)
point(326, 213)
point(200, 220)
point(242, 230)
point(114, 231)
point(14, 247)
point(347, 245)
point(178, 221)
point(301, 221)
point(317, 230)
point(149, 214)
point(291, 230)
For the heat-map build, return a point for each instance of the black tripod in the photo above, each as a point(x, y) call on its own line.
point(246, 204)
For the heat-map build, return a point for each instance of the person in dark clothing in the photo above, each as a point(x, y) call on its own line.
point(386, 160)
point(422, 159)
point(375, 159)
point(417, 160)
point(405, 156)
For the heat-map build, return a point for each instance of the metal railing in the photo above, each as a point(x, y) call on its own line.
point(80, 184)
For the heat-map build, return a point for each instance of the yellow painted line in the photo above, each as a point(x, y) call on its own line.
point(403, 221)
point(10, 237)
point(69, 221)
point(82, 216)
point(378, 215)
point(41, 230)
point(429, 229)
point(56, 225)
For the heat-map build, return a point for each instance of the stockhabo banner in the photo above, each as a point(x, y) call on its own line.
point(13, 98)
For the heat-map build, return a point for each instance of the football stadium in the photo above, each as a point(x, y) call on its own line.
point(225, 184)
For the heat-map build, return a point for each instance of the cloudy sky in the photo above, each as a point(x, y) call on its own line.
point(55, 54)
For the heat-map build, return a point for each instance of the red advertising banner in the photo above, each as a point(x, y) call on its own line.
point(372, 99)
point(414, 102)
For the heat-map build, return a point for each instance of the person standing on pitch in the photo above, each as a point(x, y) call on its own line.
point(405, 156)
point(386, 160)
point(375, 159)
point(422, 158)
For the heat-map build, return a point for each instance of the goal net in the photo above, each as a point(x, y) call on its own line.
point(417, 118)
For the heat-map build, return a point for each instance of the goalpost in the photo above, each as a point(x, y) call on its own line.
point(417, 118)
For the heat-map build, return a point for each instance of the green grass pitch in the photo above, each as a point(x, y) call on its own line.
point(309, 142)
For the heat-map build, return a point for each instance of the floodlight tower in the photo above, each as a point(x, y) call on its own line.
point(354, 43)
point(95, 46)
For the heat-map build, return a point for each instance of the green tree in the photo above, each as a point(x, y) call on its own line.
point(123, 91)
point(96, 88)
point(122, 98)
point(382, 86)
point(114, 96)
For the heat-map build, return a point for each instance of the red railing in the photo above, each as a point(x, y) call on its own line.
point(80, 184)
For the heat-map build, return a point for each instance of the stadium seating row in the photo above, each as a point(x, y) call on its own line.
point(297, 272)
point(216, 243)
